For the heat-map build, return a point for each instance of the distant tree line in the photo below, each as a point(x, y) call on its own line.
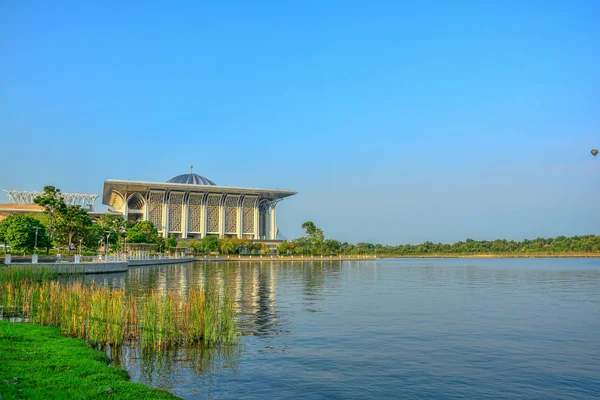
point(314, 243)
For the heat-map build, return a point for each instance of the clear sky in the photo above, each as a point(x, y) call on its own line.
point(397, 122)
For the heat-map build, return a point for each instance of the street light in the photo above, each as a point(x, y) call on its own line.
point(37, 228)
point(106, 247)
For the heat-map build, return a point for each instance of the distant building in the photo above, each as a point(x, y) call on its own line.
point(192, 206)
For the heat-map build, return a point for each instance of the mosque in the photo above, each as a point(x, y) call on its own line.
point(187, 206)
point(193, 206)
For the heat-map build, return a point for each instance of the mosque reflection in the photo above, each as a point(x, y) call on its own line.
point(254, 287)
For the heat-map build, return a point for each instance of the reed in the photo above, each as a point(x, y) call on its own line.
point(33, 274)
point(104, 316)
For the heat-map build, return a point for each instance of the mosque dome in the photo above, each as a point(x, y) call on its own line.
point(192, 179)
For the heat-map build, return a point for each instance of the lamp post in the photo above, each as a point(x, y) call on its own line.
point(37, 228)
point(106, 246)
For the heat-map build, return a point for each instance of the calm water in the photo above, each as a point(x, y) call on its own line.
point(428, 329)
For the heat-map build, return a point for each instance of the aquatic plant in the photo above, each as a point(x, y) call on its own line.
point(104, 316)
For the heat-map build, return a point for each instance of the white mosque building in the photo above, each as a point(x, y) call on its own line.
point(192, 206)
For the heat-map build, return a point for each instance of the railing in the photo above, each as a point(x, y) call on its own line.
point(76, 259)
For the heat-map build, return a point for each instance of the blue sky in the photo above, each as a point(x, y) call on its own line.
point(396, 123)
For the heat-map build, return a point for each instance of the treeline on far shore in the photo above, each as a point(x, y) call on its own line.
point(557, 245)
point(314, 242)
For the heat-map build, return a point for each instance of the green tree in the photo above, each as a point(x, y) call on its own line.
point(53, 203)
point(241, 245)
point(265, 249)
point(227, 246)
point(73, 224)
point(315, 236)
point(301, 246)
point(143, 232)
point(20, 232)
point(113, 226)
point(136, 237)
point(3, 235)
point(171, 242)
point(210, 243)
point(332, 246)
point(195, 245)
point(283, 248)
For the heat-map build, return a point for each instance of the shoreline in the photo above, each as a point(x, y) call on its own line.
point(566, 255)
point(384, 256)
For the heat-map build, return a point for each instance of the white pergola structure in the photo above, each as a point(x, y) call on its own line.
point(27, 197)
point(191, 205)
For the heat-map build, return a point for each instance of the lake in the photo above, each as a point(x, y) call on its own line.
point(393, 328)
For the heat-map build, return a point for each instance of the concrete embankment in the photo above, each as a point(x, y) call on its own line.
point(140, 263)
point(102, 267)
point(99, 267)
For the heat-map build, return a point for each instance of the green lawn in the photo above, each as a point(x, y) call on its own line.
point(37, 362)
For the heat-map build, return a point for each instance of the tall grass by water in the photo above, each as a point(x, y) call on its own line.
point(104, 316)
point(34, 274)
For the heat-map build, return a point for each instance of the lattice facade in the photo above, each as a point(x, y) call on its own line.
point(231, 203)
point(155, 200)
point(212, 213)
point(175, 209)
point(195, 217)
point(116, 201)
point(248, 208)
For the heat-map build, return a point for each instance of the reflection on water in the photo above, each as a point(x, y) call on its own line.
point(254, 290)
point(158, 368)
point(453, 328)
point(253, 286)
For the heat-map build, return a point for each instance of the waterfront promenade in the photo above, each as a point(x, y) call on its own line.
point(97, 265)
point(108, 264)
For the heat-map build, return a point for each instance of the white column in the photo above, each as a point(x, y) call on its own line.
point(146, 214)
point(273, 223)
point(165, 216)
point(239, 219)
point(221, 219)
point(125, 208)
point(203, 219)
point(256, 222)
point(184, 218)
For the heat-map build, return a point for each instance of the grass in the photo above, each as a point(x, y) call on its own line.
point(26, 273)
point(48, 365)
point(103, 316)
